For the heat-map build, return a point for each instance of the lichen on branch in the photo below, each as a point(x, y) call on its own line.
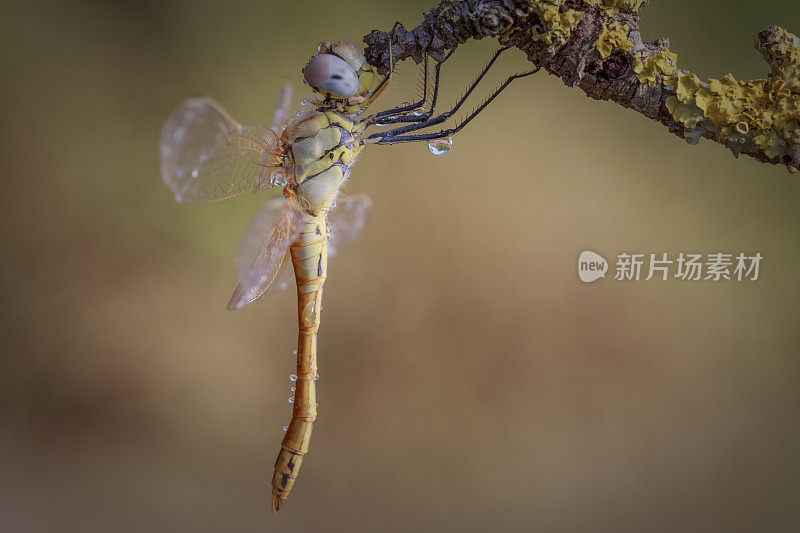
point(596, 45)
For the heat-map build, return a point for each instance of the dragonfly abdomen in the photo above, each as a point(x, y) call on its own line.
point(310, 260)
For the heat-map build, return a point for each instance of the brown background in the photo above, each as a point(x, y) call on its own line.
point(469, 382)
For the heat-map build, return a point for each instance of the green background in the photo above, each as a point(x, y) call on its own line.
point(469, 380)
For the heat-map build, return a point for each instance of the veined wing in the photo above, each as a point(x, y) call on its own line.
point(257, 233)
point(205, 155)
point(346, 221)
point(282, 106)
point(263, 260)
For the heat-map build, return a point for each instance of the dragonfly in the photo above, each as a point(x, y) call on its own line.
point(205, 156)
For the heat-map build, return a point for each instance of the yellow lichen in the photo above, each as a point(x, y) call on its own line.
point(781, 50)
point(558, 26)
point(624, 5)
point(663, 63)
point(613, 35)
point(449, 13)
point(687, 85)
point(684, 111)
point(762, 109)
point(762, 112)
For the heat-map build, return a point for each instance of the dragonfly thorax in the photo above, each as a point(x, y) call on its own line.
point(322, 146)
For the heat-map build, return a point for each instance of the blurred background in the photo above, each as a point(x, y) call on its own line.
point(469, 380)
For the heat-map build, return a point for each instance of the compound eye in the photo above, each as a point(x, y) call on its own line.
point(331, 74)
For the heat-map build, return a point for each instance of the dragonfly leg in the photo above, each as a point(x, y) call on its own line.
point(396, 135)
point(388, 78)
point(380, 136)
point(408, 107)
point(399, 114)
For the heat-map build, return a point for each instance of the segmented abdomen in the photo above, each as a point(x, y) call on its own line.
point(310, 260)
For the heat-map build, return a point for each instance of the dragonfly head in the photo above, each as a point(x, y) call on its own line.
point(339, 71)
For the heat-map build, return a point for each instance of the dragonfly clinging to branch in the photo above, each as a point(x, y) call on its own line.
point(205, 156)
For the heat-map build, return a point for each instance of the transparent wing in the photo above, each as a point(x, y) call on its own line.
point(284, 279)
point(253, 241)
point(347, 220)
point(345, 223)
point(205, 155)
point(282, 107)
point(257, 233)
point(263, 251)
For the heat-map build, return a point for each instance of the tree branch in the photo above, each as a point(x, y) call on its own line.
point(596, 45)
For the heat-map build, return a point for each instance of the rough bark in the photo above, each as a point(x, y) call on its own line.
point(596, 45)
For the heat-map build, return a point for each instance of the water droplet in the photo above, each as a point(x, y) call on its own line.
point(293, 376)
point(195, 173)
point(285, 428)
point(292, 389)
point(440, 146)
point(316, 376)
point(291, 399)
